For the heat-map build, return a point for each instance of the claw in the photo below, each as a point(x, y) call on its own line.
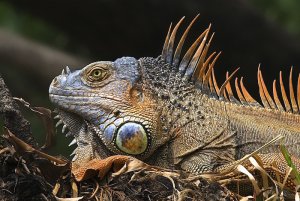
point(68, 70)
point(59, 123)
point(57, 117)
point(64, 129)
point(73, 142)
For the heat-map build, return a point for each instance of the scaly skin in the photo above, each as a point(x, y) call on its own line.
point(167, 113)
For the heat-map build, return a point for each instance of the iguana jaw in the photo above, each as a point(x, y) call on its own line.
point(88, 144)
point(72, 124)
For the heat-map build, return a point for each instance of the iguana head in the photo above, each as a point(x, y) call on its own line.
point(111, 99)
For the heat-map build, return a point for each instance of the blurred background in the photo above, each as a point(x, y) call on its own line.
point(39, 38)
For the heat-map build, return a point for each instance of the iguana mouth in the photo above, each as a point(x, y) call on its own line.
point(63, 94)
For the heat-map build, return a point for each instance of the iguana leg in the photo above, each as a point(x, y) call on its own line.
point(205, 154)
point(205, 161)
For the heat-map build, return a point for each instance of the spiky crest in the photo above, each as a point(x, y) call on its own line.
point(196, 67)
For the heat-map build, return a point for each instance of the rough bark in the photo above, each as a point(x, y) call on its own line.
point(13, 118)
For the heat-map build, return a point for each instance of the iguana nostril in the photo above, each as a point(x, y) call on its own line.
point(59, 81)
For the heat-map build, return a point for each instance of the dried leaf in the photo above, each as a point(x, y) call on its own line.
point(74, 189)
point(297, 197)
point(132, 164)
point(242, 169)
point(45, 115)
point(98, 167)
point(22, 146)
point(247, 198)
point(7, 149)
point(258, 165)
point(233, 165)
point(68, 199)
point(56, 189)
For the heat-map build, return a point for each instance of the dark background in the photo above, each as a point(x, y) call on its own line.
point(39, 38)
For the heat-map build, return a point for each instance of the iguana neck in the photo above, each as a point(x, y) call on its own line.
point(181, 103)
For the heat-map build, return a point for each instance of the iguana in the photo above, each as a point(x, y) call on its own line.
point(170, 111)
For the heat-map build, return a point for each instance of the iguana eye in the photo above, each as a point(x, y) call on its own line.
point(132, 139)
point(97, 74)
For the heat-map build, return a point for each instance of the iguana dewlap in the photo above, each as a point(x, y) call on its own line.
point(170, 111)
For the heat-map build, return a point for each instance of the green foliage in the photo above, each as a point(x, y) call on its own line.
point(290, 163)
point(286, 12)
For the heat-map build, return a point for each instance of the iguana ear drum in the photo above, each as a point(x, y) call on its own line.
point(132, 138)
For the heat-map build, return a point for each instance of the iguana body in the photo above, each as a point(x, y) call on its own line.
point(169, 111)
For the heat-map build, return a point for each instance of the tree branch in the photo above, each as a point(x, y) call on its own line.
point(44, 61)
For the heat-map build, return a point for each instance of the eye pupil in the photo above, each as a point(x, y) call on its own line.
point(97, 73)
